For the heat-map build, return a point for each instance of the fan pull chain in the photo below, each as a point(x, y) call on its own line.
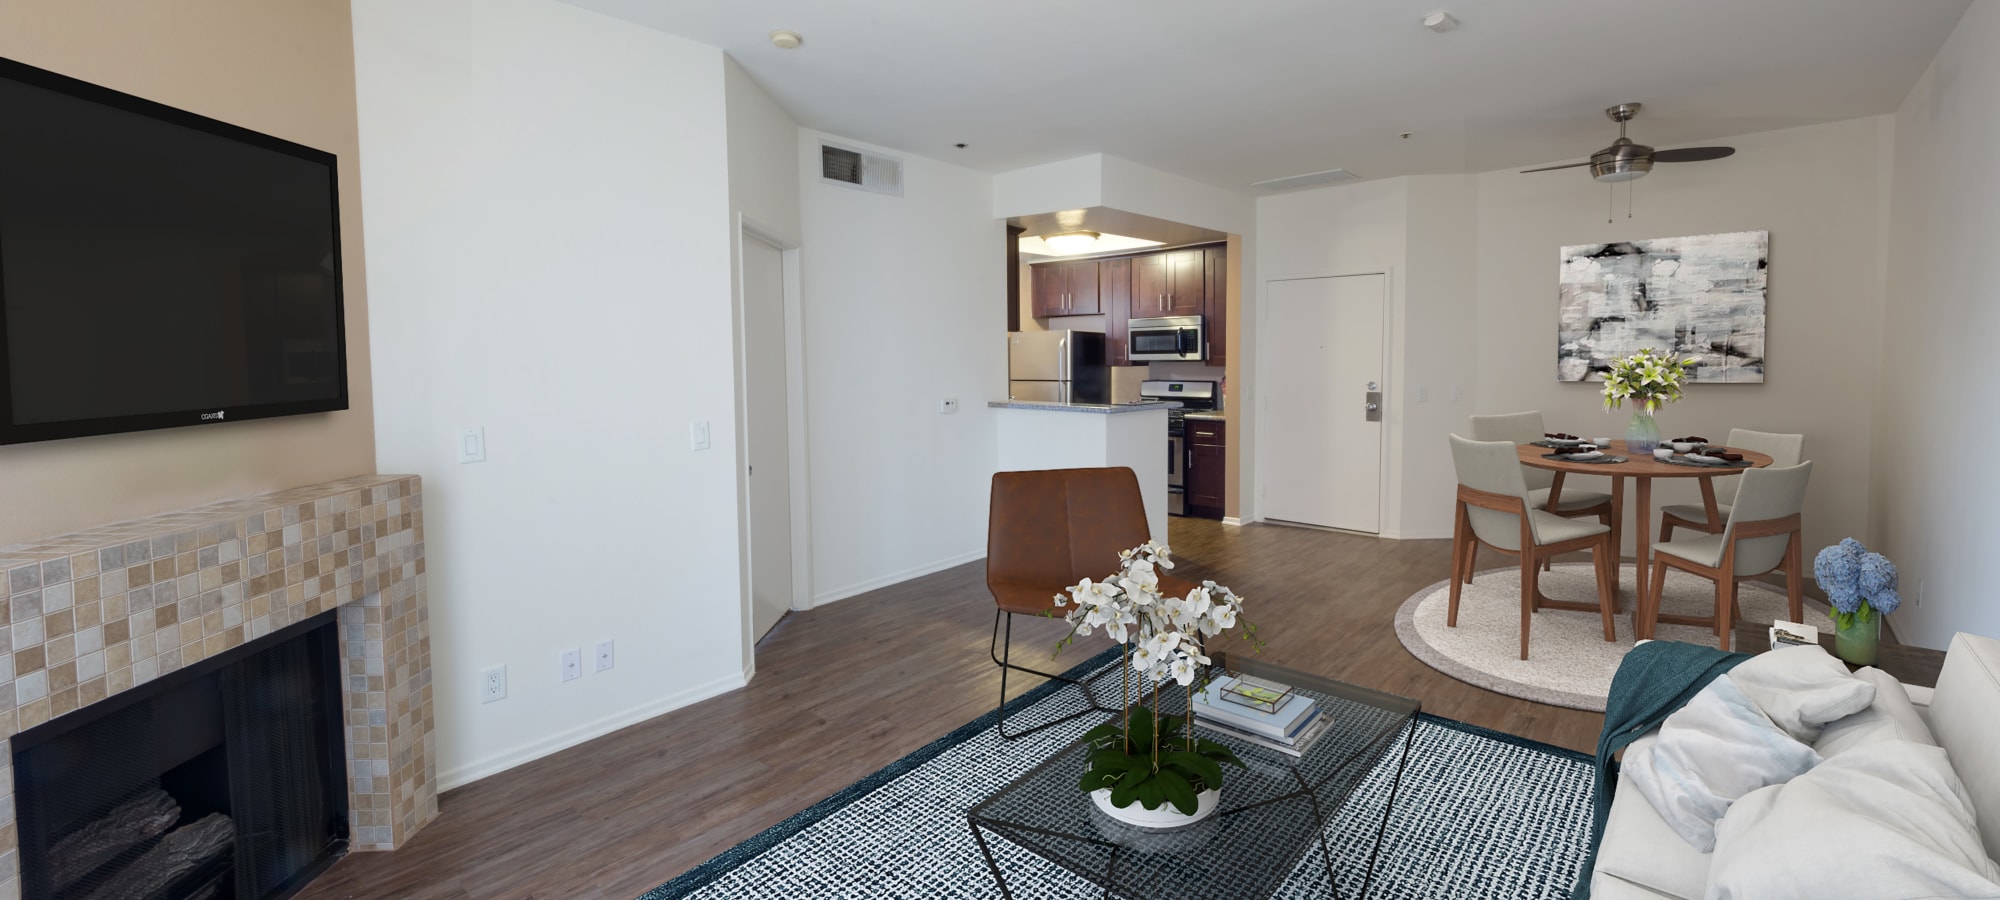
point(1628, 199)
point(1610, 203)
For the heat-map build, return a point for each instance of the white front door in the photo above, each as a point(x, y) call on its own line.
point(1323, 364)
point(767, 440)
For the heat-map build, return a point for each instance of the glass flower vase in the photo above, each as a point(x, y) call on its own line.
point(1643, 434)
point(1857, 641)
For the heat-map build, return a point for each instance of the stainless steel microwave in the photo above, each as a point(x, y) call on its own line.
point(1165, 339)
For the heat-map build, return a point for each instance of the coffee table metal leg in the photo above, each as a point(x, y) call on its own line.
point(992, 864)
point(1409, 738)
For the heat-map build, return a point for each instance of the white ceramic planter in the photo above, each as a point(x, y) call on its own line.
point(1165, 817)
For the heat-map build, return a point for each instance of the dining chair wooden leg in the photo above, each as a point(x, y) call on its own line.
point(1471, 556)
point(1666, 529)
point(1459, 550)
point(1647, 618)
point(1527, 594)
point(1795, 578)
point(1725, 589)
point(1607, 588)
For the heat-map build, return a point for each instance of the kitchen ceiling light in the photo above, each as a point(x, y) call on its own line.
point(786, 40)
point(1071, 241)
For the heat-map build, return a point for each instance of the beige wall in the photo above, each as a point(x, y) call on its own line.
point(1821, 193)
point(283, 68)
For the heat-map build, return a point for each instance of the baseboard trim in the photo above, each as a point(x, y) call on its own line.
point(855, 590)
point(460, 776)
point(1417, 535)
point(1232, 520)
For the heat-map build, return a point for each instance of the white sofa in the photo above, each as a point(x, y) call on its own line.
point(1641, 858)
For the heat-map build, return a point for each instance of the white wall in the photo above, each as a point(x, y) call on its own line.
point(1938, 336)
point(764, 198)
point(548, 244)
point(1818, 191)
point(903, 308)
point(1419, 231)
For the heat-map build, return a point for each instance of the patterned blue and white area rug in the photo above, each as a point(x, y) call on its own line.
point(1479, 814)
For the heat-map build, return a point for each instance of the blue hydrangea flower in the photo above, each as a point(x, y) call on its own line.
point(1838, 571)
point(1878, 583)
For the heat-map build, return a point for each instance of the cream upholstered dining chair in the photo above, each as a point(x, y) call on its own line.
point(1526, 428)
point(1493, 509)
point(1785, 451)
point(1762, 535)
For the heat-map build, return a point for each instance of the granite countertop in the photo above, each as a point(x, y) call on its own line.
point(1098, 408)
point(1215, 414)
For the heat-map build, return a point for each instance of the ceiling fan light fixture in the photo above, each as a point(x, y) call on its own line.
point(1071, 241)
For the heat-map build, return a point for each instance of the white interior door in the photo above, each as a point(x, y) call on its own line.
point(767, 440)
point(1323, 358)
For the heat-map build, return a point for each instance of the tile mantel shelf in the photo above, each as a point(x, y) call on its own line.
point(98, 612)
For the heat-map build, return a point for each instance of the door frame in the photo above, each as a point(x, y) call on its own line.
point(1389, 363)
point(748, 229)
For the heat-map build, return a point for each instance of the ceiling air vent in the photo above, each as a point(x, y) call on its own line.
point(856, 169)
point(1310, 179)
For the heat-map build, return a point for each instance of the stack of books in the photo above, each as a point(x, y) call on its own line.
point(1260, 712)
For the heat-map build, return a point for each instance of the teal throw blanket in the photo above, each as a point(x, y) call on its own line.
point(1654, 680)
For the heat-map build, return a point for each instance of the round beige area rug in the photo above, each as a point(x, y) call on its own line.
point(1569, 662)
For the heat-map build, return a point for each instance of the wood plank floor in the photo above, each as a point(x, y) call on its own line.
point(614, 817)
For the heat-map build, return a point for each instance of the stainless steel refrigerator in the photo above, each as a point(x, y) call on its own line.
point(1057, 367)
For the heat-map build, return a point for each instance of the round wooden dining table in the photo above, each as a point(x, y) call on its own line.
point(1642, 470)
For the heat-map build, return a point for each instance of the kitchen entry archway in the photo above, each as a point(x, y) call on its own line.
point(1323, 378)
point(772, 412)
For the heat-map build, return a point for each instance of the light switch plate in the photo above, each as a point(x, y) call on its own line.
point(948, 405)
point(698, 434)
point(472, 445)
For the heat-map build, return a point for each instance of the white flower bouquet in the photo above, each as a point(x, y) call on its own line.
point(1146, 757)
point(1647, 378)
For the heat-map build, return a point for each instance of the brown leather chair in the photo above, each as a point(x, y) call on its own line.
point(1048, 530)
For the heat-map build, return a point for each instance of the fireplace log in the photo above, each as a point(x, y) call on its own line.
point(177, 855)
point(127, 825)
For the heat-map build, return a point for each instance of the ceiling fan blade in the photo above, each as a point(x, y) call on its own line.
point(1553, 168)
point(1692, 154)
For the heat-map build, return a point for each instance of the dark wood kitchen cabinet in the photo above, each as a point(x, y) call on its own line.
point(1203, 474)
point(1215, 312)
point(1114, 295)
point(1066, 289)
point(1172, 283)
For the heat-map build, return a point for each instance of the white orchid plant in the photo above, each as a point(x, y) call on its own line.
point(1649, 378)
point(1147, 757)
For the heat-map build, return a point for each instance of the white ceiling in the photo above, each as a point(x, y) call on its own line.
point(1232, 93)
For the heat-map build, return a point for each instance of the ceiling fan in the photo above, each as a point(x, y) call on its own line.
point(1627, 161)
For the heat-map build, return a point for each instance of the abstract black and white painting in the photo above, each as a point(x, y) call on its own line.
point(1700, 297)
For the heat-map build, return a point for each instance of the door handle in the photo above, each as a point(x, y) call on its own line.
point(1371, 407)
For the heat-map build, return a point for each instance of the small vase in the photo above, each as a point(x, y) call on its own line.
point(1165, 817)
point(1858, 641)
point(1642, 437)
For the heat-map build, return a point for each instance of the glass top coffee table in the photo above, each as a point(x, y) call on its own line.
point(1269, 817)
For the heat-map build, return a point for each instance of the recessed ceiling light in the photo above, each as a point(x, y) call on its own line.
point(786, 40)
point(1440, 21)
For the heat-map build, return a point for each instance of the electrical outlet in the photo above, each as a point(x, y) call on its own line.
point(572, 665)
point(493, 684)
point(1423, 393)
point(698, 434)
point(948, 405)
point(604, 655)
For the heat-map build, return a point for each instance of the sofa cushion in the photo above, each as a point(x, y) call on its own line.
point(1641, 849)
point(1715, 749)
point(1802, 688)
point(1963, 716)
point(1888, 819)
point(1892, 717)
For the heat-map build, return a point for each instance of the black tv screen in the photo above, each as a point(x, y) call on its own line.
point(158, 268)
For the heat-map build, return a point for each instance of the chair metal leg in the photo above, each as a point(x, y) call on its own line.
point(1002, 651)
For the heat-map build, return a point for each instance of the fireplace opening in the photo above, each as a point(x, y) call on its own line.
point(224, 780)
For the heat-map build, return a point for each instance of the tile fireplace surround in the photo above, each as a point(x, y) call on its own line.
point(97, 612)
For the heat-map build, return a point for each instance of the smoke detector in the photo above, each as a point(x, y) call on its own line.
point(1440, 21)
point(786, 40)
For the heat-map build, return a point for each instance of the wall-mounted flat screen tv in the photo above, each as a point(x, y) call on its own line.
point(158, 268)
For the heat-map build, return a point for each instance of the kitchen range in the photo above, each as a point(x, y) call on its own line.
point(1194, 445)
